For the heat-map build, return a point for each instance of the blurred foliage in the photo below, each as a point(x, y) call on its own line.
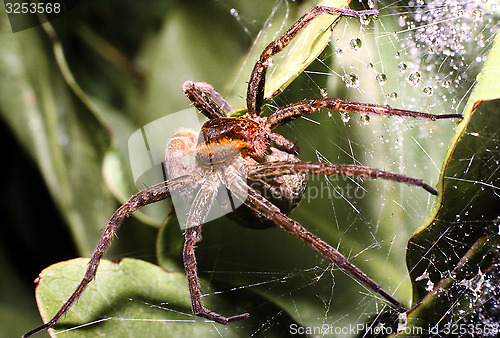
point(72, 92)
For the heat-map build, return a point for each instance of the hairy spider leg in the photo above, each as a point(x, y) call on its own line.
point(192, 236)
point(289, 168)
point(281, 142)
point(295, 110)
point(206, 99)
point(260, 205)
point(197, 215)
point(255, 92)
point(144, 197)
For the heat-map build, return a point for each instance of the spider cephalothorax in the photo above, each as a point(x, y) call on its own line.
point(260, 169)
point(249, 135)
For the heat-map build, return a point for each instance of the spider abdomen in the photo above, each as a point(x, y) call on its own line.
point(283, 191)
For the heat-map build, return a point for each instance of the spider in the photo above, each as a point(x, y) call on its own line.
point(228, 146)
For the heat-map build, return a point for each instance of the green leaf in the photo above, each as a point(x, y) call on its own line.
point(129, 298)
point(169, 245)
point(65, 140)
point(451, 257)
point(303, 49)
point(134, 298)
point(290, 62)
point(180, 51)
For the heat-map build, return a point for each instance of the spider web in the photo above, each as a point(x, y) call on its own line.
point(418, 55)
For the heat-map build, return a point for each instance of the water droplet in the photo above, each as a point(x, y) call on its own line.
point(427, 90)
point(355, 44)
point(393, 96)
point(351, 80)
point(397, 55)
point(339, 52)
point(381, 78)
point(364, 19)
point(371, 4)
point(323, 92)
point(345, 117)
point(402, 66)
point(365, 118)
point(414, 78)
point(234, 12)
point(477, 13)
point(402, 21)
point(369, 66)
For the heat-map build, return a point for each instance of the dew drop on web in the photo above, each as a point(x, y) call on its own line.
point(428, 91)
point(345, 117)
point(351, 80)
point(355, 44)
point(393, 96)
point(364, 19)
point(414, 78)
point(381, 78)
point(365, 119)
